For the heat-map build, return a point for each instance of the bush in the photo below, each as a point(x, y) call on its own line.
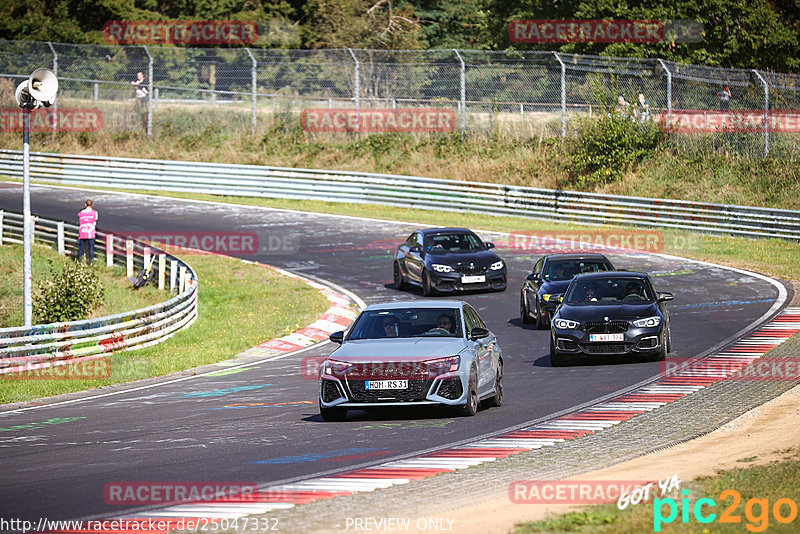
point(607, 146)
point(69, 295)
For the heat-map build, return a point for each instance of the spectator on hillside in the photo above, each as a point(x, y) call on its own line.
point(642, 108)
point(724, 98)
point(141, 90)
point(87, 221)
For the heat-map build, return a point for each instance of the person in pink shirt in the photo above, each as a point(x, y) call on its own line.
point(87, 221)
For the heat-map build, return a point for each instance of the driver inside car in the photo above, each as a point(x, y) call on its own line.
point(391, 326)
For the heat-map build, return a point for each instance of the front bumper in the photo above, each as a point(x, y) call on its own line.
point(446, 389)
point(635, 340)
point(452, 282)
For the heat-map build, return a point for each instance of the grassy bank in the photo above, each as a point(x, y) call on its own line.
point(713, 176)
point(119, 293)
point(774, 481)
point(240, 305)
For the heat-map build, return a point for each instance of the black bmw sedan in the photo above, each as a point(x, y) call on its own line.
point(551, 275)
point(447, 260)
point(610, 313)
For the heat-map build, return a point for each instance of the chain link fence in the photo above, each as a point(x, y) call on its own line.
point(518, 93)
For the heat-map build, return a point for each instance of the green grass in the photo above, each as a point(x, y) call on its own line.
point(119, 293)
point(773, 481)
point(240, 305)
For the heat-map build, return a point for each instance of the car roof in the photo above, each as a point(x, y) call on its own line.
point(592, 256)
point(611, 274)
point(429, 231)
point(400, 305)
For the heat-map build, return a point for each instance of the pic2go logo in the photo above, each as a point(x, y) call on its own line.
point(756, 511)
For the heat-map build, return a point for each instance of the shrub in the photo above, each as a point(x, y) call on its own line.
point(69, 295)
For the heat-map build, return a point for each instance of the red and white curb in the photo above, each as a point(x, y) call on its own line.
point(566, 427)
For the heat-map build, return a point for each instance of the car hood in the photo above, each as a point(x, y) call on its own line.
point(404, 349)
point(480, 257)
point(555, 286)
point(590, 311)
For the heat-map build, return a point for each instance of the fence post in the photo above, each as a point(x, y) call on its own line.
point(109, 250)
point(563, 96)
point(1, 228)
point(162, 264)
point(60, 237)
point(766, 111)
point(173, 273)
point(149, 92)
point(669, 91)
point(129, 258)
point(155, 99)
point(463, 93)
point(182, 279)
point(146, 254)
point(55, 71)
point(254, 81)
point(96, 94)
point(357, 83)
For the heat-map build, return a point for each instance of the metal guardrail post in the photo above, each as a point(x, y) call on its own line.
point(149, 91)
point(55, 71)
point(766, 111)
point(60, 238)
point(95, 94)
point(129, 258)
point(669, 89)
point(173, 274)
point(357, 83)
point(254, 81)
point(563, 95)
point(463, 93)
point(109, 250)
point(1, 228)
point(162, 265)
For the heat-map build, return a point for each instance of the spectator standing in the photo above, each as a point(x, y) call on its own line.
point(622, 105)
point(643, 108)
point(87, 226)
point(724, 98)
point(141, 90)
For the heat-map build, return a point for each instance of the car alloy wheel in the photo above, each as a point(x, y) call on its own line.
point(524, 316)
point(471, 407)
point(399, 281)
point(497, 400)
point(541, 323)
point(427, 287)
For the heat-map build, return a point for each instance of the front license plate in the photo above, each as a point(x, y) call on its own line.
point(606, 337)
point(473, 279)
point(386, 384)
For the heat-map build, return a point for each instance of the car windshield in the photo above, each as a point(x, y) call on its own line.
point(453, 243)
point(565, 270)
point(610, 291)
point(407, 322)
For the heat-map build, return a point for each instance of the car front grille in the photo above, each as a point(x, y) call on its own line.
point(416, 391)
point(606, 348)
point(606, 327)
point(471, 269)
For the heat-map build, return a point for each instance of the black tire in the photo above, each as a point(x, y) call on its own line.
point(427, 288)
point(399, 281)
point(541, 323)
point(669, 339)
point(332, 415)
point(471, 407)
point(497, 400)
point(524, 316)
point(661, 355)
point(556, 358)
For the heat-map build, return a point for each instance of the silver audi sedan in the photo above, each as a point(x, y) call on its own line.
point(412, 353)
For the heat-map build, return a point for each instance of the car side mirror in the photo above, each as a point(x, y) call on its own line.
point(337, 337)
point(665, 296)
point(415, 249)
point(478, 333)
point(533, 277)
point(489, 245)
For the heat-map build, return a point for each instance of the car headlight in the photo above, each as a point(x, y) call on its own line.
point(648, 322)
point(439, 268)
point(566, 324)
point(496, 266)
point(546, 297)
point(448, 364)
point(334, 367)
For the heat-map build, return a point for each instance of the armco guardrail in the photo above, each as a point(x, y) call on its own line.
point(404, 191)
point(24, 349)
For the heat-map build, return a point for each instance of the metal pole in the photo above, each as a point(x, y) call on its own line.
point(563, 96)
point(463, 94)
point(149, 92)
point(55, 71)
point(26, 218)
point(253, 73)
point(96, 91)
point(766, 112)
point(358, 84)
point(669, 90)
